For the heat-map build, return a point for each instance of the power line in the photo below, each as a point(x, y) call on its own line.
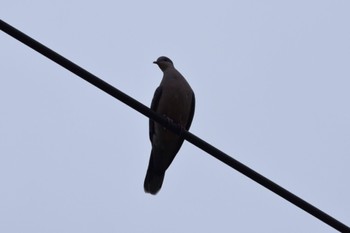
point(87, 76)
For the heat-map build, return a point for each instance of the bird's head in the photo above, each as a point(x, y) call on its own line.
point(164, 63)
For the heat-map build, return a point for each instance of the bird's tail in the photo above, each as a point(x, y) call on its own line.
point(153, 180)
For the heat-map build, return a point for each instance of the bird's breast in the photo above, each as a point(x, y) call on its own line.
point(175, 104)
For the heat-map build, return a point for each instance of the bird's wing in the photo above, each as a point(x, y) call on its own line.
point(154, 106)
point(193, 103)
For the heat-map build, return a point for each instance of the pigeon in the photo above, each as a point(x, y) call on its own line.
point(175, 100)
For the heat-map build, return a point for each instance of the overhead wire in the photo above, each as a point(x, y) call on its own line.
point(223, 157)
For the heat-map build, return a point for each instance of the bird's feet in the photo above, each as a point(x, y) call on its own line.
point(179, 129)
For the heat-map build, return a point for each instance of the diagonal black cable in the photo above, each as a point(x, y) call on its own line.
point(163, 121)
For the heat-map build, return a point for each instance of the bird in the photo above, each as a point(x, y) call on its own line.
point(175, 100)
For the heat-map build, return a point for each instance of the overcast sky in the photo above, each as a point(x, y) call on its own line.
point(272, 82)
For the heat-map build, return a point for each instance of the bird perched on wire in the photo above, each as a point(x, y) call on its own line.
point(175, 100)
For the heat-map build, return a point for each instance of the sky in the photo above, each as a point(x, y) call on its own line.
point(271, 80)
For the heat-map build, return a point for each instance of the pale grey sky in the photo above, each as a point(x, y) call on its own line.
point(272, 82)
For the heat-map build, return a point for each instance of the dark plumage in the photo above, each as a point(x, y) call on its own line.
point(175, 99)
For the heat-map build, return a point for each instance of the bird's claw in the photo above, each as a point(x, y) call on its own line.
point(179, 129)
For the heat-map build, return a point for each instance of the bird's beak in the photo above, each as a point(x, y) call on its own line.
point(155, 62)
